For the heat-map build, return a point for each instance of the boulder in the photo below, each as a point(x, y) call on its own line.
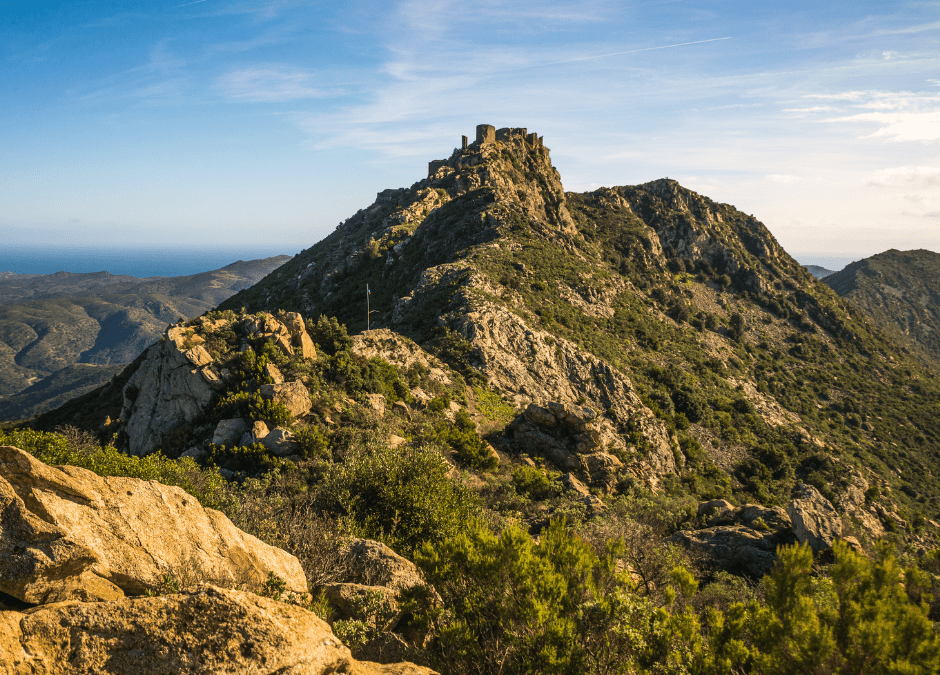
point(196, 452)
point(208, 631)
point(734, 548)
point(572, 484)
point(272, 372)
point(376, 402)
point(395, 441)
point(714, 506)
point(372, 563)
point(68, 527)
point(401, 408)
point(348, 599)
point(259, 430)
point(228, 432)
point(280, 442)
point(292, 395)
point(815, 520)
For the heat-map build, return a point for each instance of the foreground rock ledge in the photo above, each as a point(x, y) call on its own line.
point(69, 534)
point(211, 630)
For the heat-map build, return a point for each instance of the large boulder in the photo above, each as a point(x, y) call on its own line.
point(372, 563)
point(734, 548)
point(204, 632)
point(741, 539)
point(815, 520)
point(281, 442)
point(292, 395)
point(573, 438)
point(229, 432)
point(67, 533)
point(173, 385)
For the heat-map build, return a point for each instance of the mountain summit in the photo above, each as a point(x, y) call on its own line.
point(713, 358)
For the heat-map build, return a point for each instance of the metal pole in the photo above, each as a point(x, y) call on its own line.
point(368, 313)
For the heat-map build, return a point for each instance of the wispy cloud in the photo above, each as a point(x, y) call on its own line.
point(906, 175)
point(276, 83)
point(901, 126)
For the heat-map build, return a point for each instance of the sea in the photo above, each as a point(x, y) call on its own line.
point(137, 262)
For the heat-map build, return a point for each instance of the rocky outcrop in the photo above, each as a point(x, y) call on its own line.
point(815, 520)
point(399, 351)
point(531, 365)
point(288, 333)
point(208, 631)
point(173, 385)
point(67, 533)
point(292, 395)
point(575, 438)
point(741, 540)
point(177, 380)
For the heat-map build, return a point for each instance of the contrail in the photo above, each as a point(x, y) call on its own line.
point(633, 51)
point(187, 4)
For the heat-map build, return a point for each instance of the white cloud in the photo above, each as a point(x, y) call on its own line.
point(906, 176)
point(906, 126)
point(782, 178)
point(269, 84)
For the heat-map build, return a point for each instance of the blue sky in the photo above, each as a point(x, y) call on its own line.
point(266, 122)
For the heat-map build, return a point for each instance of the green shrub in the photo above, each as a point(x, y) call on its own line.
point(252, 459)
point(533, 483)
point(313, 443)
point(329, 335)
point(462, 436)
point(403, 497)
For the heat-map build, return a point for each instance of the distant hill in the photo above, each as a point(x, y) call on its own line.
point(900, 290)
point(818, 272)
point(51, 322)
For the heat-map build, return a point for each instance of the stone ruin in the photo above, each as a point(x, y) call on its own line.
point(487, 133)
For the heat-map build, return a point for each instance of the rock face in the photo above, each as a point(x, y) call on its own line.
point(205, 632)
point(68, 533)
point(292, 395)
point(815, 520)
point(742, 540)
point(175, 382)
point(575, 438)
point(177, 379)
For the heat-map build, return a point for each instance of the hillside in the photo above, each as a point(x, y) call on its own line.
point(677, 317)
point(558, 388)
point(49, 323)
point(900, 291)
point(818, 272)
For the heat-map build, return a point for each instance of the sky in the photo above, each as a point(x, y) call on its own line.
point(264, 123)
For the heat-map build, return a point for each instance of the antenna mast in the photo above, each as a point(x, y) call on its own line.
point(368, 312)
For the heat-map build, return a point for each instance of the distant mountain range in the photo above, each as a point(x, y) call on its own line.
point(817, 271)
point(64, 334)
point(900, 290)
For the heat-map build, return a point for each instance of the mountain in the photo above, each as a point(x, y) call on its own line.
point(900, 291)
point(555, 387)
point(700, 340)
point(50, 323)
point(817, 271)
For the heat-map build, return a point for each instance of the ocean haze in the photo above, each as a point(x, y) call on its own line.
point(136, 261)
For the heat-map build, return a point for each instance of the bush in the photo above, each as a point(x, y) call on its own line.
point(329, 335)
point(533, 483)
point(402, 497)
point(252, 459)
